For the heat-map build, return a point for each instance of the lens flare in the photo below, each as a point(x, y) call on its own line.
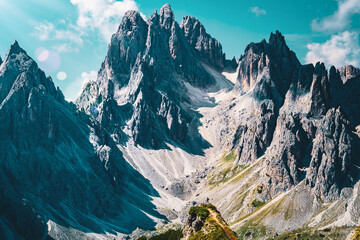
point(61, 76)
point(48, 60)
point(43, 56)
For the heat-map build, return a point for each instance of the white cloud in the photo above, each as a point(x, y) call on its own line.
point(65, 47)
point(102, 15)
point(93, 16)
point(69, 36)
point(43, 30)
point(74, 89)
point(340, 20)
point(86, 77)
point(258, 11)
point(340, 50)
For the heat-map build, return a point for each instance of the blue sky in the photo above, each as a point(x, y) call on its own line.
point(69, 38)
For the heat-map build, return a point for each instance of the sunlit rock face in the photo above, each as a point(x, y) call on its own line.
point(285, 108)
point(141, 94)
point(151, 132)
point(143, 79)
point(264, 75)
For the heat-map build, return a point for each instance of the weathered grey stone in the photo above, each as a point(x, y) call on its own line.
point(208, 48)
point(53, 166)
point(333, 155)
point(265, 73)
point(151, 60)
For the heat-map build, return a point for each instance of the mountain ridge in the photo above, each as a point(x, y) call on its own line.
point(162, 127)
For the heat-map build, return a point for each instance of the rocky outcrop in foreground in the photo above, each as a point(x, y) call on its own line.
point(205, 222)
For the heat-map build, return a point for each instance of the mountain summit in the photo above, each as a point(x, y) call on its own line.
point(150, 67)
point(170, 123)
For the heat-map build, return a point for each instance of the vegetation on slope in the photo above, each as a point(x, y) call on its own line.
point(256, 203)
point(231, 157)
point(325, 234)
point(168, 235)
point(356, 234)
point(200, 211)
point(213, 226)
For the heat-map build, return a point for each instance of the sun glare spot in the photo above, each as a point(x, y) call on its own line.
point(61, 76)
point(43, 55)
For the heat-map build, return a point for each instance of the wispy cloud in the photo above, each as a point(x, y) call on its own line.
point(102, 15)
point(68, 36)
point(340, 50)
point(93, 17)
point(65, 47)
point(340, 20)
point(258, 11)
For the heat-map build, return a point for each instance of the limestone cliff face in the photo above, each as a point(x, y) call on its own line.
point(284, 108)
point(264, 74)
point(63, 162)
point(268, 67)
point(306, 101)
point(334, 156)
point(348, 72)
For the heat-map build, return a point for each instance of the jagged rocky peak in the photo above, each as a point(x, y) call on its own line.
point(131, 21)
point(309, 92)
point(146, 65)
point(123, 50)
point(265, 60)
point(277, 40)
point(208, 48)
point(348, 72)
point(320, 98)
point(17, 56)
point(19, 72)
point(265, 73)
point(314, 137)
point(15, 48)
point(161, 39)
point(49, 148)
point(166, 16)
point(344, 91)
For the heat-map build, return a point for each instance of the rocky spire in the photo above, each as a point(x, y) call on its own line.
point(131, 20)
point(166, 16)
point(15, 48)
point(348, 72)
point(154, 18)
point(20, 72)
point(124, 48)
point(344, 91)
point(274, 59)
point(208, 48)
point(277, 40)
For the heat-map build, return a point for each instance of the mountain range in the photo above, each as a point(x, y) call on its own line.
point(170, 122)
